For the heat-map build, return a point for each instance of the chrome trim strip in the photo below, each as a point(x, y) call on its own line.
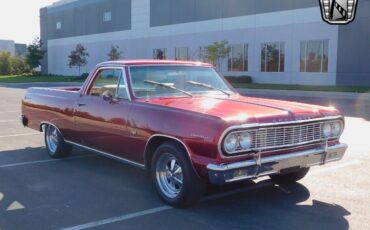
point(48, 123)
point(96, 71)
point(58, 89)
point(108, 155)
point(170, 137)
point(261, 125)
point(248, 163)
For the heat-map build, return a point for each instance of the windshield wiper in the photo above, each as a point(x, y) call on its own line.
point(208, 87)
point(168, 87)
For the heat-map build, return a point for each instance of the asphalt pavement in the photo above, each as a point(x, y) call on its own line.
point(90, 191)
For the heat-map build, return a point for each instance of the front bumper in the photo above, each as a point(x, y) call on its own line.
point(226, 173)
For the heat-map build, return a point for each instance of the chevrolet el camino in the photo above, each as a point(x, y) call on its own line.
point(185, 124)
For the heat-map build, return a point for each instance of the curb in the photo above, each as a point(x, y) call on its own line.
point(256, 92)
point(40, 84)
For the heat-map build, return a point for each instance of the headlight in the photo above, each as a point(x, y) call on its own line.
point(336, 128)
point(332, 129)
point(245, 141)
point(231, 143)
point(326, 130)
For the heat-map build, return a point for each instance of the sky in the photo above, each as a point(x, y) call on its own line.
point(19, 19)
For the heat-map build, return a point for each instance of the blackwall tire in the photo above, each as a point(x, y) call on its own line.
point(174, 178)
point(55, 144)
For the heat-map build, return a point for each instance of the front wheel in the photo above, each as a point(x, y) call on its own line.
point(174, 177)
point(55, 144)
point(287, 178)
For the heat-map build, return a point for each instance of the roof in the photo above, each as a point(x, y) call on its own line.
point(155, 62)
point(60, 3)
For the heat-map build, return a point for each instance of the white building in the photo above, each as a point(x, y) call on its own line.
point(7, 46)
point(273, 41)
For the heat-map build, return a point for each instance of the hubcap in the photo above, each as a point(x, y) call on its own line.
point(169, 175)
point(52, 138)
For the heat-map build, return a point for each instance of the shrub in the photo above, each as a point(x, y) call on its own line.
point(19, 65)
point(83, 76)
point(13, 65)
point(239, 79)
point(5, 63)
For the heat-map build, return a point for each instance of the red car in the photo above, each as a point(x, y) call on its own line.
point(186, 124)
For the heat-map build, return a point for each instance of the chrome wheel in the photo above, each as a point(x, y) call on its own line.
point(52, 138)
point(169, 175)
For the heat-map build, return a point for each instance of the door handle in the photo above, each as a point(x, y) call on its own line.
point(81, 104)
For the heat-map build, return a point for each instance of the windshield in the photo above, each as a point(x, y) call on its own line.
point(162, 81)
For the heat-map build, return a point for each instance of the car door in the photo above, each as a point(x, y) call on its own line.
point(102, 112)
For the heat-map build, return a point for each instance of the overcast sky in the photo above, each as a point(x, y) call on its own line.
point(19, 19)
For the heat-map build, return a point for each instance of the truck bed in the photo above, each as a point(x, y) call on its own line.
point(56, 105)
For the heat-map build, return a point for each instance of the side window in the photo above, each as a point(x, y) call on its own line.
point(107, 80)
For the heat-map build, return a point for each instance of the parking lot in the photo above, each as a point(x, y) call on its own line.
point(90, 191)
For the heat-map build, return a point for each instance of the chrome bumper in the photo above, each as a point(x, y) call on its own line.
point(226, 173)
point(23, 120)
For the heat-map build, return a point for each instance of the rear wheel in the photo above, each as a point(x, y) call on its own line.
point(174, 177)
point(55, 144)
point(291, 177)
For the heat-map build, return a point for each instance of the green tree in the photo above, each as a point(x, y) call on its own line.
point(5, 63)
point(35, 53)
point(216, 52)
point(19, 65)
point(78, 57)
point(114, 53)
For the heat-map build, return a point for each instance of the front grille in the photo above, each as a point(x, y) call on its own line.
point(286, 136)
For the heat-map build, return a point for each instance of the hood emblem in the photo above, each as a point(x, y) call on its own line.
point(296, 119)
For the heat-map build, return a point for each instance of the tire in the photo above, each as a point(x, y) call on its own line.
point(55, 144)
point(174, 178)
point(292, 177)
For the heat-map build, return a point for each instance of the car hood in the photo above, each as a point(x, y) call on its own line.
point(240, 109)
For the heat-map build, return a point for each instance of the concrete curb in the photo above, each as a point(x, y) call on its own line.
point(40, 84)
point(316, 94)
point(257, 92)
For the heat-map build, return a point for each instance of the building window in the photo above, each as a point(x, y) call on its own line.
point(182, 53)
point(314, 56)
point(273, 57)
point(159, 54)
point(203, 54)
point(108, 16)
point(59, 25)
point(238, 58)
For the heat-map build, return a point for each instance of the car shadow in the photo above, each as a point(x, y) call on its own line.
point(115, 188)
point(268, 207)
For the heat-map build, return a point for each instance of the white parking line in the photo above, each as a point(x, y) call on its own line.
point(43, 161)
point(6, 121)
point(20, 135)
point(14, 111)
point(161, 209)
point(119, 218)
point(11, 105)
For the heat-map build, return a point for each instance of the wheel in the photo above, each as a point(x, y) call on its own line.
point(55, 145)
point(174, 177)
point(291, 177)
